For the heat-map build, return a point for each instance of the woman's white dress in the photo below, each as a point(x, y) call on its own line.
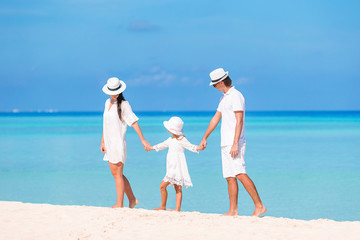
point(114, 130)
point(176, 167)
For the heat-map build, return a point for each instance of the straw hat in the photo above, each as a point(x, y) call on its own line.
point(174, 125)
point(217, 76)
point(114, 86)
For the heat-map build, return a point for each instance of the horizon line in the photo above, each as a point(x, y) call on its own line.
point(51, 111)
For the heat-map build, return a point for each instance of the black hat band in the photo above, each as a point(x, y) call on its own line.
point(218, 79)
point(114, 89)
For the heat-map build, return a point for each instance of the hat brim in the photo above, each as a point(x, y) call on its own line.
point(107, 91)
point(168, 127)
point(219, 80)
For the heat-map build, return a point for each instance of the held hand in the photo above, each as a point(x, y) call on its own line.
point(102, 148)
point(146, 145)
point(200, 147)
point(234, 150)
point(203, 144)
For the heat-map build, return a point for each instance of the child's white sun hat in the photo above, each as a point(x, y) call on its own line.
point(114, 86)
point(174, 125)
point(217, 76)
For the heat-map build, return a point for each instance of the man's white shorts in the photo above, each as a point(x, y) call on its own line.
point(233, 166)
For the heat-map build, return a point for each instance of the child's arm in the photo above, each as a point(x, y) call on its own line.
point(161, 146)
point(190, 147)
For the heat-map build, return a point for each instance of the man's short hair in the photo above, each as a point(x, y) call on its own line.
point(227, 81)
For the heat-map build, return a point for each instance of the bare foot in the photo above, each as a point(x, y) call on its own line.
point(259, 211)
point(117, 206)
point(134, 203)
point(160, 208)
point(173, 210)
point(231, 213)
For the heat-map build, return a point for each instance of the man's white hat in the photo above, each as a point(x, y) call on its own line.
point(114, 86)
point(174, 125)
point(217, 76)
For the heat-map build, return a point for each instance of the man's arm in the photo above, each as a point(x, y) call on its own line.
point(238, 127)
point(212, 125)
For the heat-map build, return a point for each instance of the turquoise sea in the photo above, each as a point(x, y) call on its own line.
point(305, 165)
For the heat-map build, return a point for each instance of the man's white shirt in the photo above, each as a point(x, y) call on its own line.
point(230, 102)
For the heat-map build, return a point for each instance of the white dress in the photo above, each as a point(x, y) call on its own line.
point(176, 167)
point(114, 130)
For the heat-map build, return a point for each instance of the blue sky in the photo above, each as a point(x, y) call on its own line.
point(282, 55)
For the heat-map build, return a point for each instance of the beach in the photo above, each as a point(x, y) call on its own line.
point(44, 221)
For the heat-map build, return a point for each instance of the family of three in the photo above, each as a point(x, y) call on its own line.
point(231, 110)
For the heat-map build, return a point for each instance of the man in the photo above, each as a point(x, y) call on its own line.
point(231, 110)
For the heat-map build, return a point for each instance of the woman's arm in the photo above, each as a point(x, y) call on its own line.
point(102, 145)
point(137, 129)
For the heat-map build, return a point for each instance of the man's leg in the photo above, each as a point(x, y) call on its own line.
point(233, 196)
point(251, 189)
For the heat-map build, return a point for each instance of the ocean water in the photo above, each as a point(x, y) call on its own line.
point(305, 165)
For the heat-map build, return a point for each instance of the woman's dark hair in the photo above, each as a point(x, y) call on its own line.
point(227, 81)
point(120, 98)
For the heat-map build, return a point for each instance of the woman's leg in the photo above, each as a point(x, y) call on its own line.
point(164, 194)
point(178, 191)
point(117, 172)
point(129, 193)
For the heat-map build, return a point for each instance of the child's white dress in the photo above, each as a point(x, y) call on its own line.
point(176, 167)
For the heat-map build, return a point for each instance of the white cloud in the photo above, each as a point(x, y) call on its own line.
point(242, 80)
point(155, 69)
point(155, 76)
point(159, 77)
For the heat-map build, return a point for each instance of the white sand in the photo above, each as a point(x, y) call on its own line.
point(43, 221)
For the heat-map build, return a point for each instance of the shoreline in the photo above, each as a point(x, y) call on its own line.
point(44, 221)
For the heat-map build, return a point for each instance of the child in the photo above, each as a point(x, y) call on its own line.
point(176, 168)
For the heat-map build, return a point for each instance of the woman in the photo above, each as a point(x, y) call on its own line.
point(117, 115)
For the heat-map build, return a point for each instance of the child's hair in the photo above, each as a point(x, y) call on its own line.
point(178, 137)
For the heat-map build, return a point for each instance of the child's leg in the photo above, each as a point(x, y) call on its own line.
point(163, 186)
point(178, 191)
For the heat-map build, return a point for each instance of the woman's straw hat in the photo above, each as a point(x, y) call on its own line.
point(114, 86)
